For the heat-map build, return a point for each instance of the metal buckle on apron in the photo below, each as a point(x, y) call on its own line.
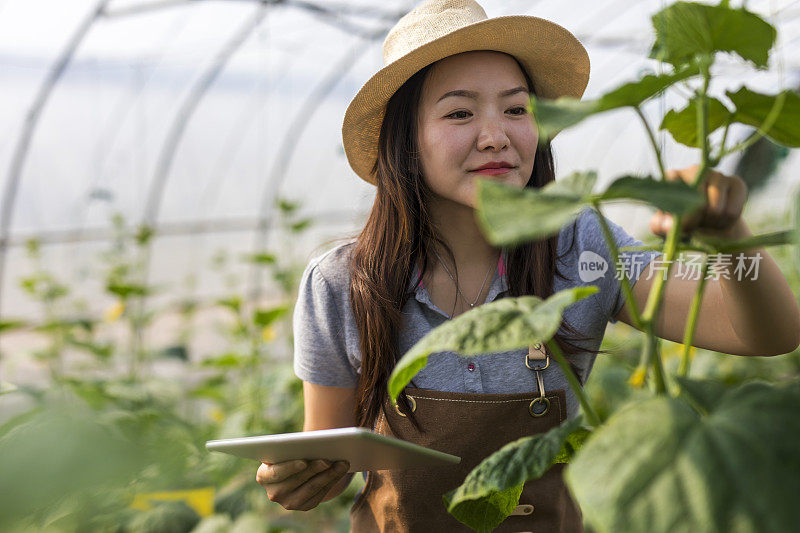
point(413, 406)
point(533, 360)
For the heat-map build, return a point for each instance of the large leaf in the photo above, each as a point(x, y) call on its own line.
point(752, 108)
point(166, 517)
point(685, 30)
point(682, 124)
point(671, 196)
point(492, 489)
point(502, 325)
point(705, 394)
point(573, 444)
point(509, 215)
point(553, 116)
point(60, 453)
point(664, 467)
point(759, 163)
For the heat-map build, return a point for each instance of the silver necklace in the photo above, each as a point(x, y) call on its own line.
point(471, 305)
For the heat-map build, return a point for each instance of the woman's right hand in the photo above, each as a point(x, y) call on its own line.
point(300, 485)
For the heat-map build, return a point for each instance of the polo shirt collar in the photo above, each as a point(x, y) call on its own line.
point(499, 284)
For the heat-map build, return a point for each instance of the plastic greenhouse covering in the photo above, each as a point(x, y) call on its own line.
point(168, 169)
point(196, 117)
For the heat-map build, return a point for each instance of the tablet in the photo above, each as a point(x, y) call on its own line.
point(364, 449)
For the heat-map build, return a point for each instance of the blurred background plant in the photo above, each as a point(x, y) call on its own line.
point(115, 439)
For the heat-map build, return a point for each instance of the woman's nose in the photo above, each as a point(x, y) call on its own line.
point(492, 135)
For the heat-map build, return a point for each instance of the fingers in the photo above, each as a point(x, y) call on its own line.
point(313, 491)
point(725, 198)
point(269, 473)
point(297, 485)
point(737, 198)
point(716, 196)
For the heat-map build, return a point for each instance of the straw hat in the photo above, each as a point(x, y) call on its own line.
point(554, 59)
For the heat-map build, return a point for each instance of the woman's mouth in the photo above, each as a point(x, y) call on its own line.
point(493, 171)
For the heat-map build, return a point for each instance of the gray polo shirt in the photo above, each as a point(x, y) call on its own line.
point(326, 342)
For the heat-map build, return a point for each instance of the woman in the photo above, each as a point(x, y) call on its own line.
point(447, 109)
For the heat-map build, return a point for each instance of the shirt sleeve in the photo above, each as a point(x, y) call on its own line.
point(611, 296)
point(320, 350)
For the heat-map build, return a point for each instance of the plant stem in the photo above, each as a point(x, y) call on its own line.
point(769, 121)
point(650, 354)
point(572, 379)
point(653, 142)
point(691, 321)
point(624, 283)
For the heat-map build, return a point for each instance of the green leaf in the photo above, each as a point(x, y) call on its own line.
point(300, 225)
point(178, 351)
point(753, 108)
point(502, 325)
point(234, 303)
point(126, 290)
point(573, 444)
point(705, 394)
point(492, 489)
point(682, 124)
point(552, 116)
point(635, 93)
point(670, 196)
point(103, 351)
point(61, 453)
point(265, 317)
point(287, 206)
point(484, 514)
point(227, 360)
point(759, 162)
point(510, 215)
point(11, 325)
point(263, 258)
point(664, 467)
point(166, 517)
point(685, 30)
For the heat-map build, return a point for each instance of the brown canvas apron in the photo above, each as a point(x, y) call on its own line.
point(471, 426)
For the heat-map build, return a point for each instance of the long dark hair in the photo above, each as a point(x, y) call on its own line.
point(399, 231)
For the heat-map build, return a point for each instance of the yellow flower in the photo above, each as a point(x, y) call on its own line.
point(268, 334)
point(113, 313)
point(637, 378)
point(217, 415)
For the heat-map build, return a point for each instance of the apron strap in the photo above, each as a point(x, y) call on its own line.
point(538, 359)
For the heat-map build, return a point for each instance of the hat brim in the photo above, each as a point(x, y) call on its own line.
point(555, 60)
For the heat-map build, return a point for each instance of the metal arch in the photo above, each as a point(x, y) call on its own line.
point(287, 147)
point(29, 127)
point(229, 146)
point(178, 127)
point(167, 154)
point(119, 116)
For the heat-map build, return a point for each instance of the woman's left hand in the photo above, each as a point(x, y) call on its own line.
point(725, 199)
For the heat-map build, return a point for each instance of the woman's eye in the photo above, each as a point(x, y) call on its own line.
point(519, 110)
point(456, 113)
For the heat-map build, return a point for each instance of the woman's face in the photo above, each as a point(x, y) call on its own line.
point(486, 122)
